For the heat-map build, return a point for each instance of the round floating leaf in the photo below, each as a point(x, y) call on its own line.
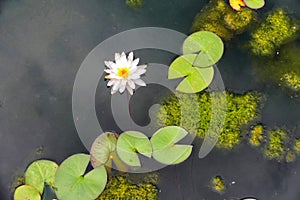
point(71, 183)
point(39, 173)
point(102, 148)
point(165, 149)
point(181, 66)
point(27, 192)
point(254, 4)
point(197, 80)
point(129, 144)
point(209, 46)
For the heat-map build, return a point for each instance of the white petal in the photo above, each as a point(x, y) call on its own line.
point(139, 82)
point(116, 86)
point(131, 84)
point(136, 61)
point(142, 66)
point(122, 61)
point(140, 71)
point(134, 76)
point(130, 90)
point(113, 91)
point(107, 71)
point(122, 86)
point(111, 82)
point(117, 56)
point(109, 64)
point(130, 57)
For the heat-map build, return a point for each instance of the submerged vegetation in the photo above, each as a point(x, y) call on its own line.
point(256, 135)
point(123, 188)
point(241, 111)
point(277, 29)
point(219, 18)
point(217, 184)
point(276, 146)
point(134, 3)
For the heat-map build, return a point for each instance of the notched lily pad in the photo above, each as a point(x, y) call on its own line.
point(39, 173)
point(181, 66)
point(207, 45)
point(131, 143)
point(165, 149)
point(71, 182)
point(26, 192)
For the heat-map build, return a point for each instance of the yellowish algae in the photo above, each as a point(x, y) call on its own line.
point(241, 111)
point(276, 146)
point(121, 187)
point(256, 135)
point(134, 3)
point(277, 29)
point(218, 17)
point(290, 157)
point(297, 146)
point(217, 184)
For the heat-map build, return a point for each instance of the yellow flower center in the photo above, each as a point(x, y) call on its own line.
point(123, 72)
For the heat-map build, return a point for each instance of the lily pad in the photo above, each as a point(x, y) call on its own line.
point(26, 192)
point(131, 143)
point(197, 80)
point(254, 4)
point(181, 66)
point(71, 182)
point(39, 173)
point(102, 148)
point(165, 149)
point(207, 45)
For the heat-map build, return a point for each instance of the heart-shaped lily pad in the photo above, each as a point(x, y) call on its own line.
point(26, 192)
point(71, 182)
point(165, 149)
point(197, 78)
point(131, 143)
point(207, 45)
point(39, 173)
point(254, 4)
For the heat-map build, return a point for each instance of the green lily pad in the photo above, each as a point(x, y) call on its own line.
point(197, 80)
point(129, 144)
point(165, 149)
point(207, 45)
point(102, 148)
point(39, 173)
point(71, 182)
point(254, 4)
point(181, 66)
point(27, 192)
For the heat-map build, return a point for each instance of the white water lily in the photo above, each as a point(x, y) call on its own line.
point(124, 73)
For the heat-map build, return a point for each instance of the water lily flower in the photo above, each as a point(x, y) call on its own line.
point(237, 4)
point(124, 73)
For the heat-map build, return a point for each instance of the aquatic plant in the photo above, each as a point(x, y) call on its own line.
point(241, 111)
point(122, 187)
point(201, 51)
point(284, 70)
point(217, 184)
point(134, 3)
point(290, 157)
point(297, 146)
point(219, 18)
point(277, 29)
point(276, 146)
point(237, 4)
point(25, 192)
point(254, 4)
point(256, 135)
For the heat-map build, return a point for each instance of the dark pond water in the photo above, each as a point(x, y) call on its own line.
point(42, 44)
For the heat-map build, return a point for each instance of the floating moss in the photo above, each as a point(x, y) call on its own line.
point(276, 146)
point(283, 70)
point(122, 187)
point(256, 135)
point(241, 110)
point(219, 18)
point(290, 157)
point(297, 146)
point(134, 3)
point(217, 184)
point(277, 29)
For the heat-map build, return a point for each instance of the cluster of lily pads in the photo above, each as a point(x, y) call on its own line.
point(70, 181)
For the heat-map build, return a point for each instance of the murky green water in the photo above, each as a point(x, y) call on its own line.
point(42, 44)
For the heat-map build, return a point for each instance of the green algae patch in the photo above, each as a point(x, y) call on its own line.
point(217, 184)
point(276, 146)
point(123, 187)
point(277, 29)
point(218, 17)
point(283, 70)
point(297, 146)
point(290, 157)
point(242, 110)
point(135, 4)
point(256, 135)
